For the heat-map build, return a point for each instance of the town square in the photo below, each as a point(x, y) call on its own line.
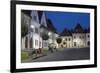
point(54, 36)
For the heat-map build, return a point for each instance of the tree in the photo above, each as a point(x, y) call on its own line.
point(24, 30)
point(58, 40)
point(45, 37)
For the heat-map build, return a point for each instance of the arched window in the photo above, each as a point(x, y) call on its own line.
point(26, 42)
point(31, 43)
point(74, 43)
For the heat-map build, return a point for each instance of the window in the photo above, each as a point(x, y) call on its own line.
point(80, 37)
point(74, 37)
point(36, 42)
point(74, 43)
point(40, 43)
point(31, 43)
point(66, 39)
point(69, 39)
point(88, 36)
point(88, 43)
point(64, 43)
point(83, 37)
point(26, 42)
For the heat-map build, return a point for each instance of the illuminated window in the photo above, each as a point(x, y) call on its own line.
point(80, 37)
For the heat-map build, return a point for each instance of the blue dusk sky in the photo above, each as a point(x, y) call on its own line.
point(68, 20)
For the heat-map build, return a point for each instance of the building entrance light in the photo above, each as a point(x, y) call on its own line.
point(32, 26)
point(49, 33)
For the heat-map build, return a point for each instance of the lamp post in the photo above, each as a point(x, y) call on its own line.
point(32, 27)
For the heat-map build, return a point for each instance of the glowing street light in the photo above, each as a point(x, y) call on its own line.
point(32, 27)
point(49, 33)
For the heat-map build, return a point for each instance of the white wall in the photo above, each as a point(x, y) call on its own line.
point(5, 38)
point(79, 41)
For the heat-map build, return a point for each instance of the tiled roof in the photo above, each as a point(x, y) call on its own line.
point(66, 32)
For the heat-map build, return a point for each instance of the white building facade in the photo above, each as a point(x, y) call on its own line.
point(78, 38)
point(37, 26)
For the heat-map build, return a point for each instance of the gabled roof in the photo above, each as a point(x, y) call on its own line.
point(27, 12)
point(50, 26)
point(66, 32)
point(78, 29)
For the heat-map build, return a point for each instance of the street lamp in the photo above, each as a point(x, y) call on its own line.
point(32, 27)
point(49, 33)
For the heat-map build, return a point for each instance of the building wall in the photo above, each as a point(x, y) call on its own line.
point(66, 42)
point(79, 40)
point(35, 44)
point(87, 39)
